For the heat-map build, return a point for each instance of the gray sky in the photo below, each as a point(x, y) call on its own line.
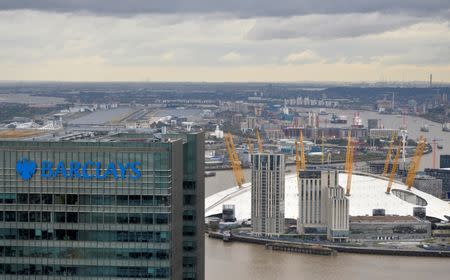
point(208, 40)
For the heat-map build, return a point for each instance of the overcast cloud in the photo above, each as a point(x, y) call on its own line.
point(206, 40)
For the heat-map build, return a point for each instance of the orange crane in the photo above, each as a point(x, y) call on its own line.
point(388, 156)
point(349, 163)
point(394, 169)
point(260, 144)
point(415, 163)
point(234, 160)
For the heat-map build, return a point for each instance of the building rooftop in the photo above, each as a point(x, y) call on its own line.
point(383, 219)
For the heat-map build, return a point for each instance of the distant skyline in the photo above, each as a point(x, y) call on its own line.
point(225, 41)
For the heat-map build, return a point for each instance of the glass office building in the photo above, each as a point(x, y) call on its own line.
point(129, 208)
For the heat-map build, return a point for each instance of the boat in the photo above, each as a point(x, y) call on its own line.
point(440, 146)
point(323, 112)
point(210, 174)
point(226, 237)
point(338, 119)
point(424, 128)
point(446, 127)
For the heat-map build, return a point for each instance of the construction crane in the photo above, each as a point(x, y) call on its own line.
point(394, 168)
point(260, 144)
point(297, 160)
point(388, 156)
point(415, 163)
point(234, 160)
point(349, 163)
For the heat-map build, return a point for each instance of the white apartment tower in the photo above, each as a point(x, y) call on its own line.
point(268, 194)
point(323, 207)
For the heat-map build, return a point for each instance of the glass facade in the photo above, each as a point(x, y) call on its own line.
point(85, 212)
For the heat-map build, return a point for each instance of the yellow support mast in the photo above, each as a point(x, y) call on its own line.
point(234, 160)
point(323, 149)
point(394, 169)
point(260, 144)
point(302, 154)
point(249, 146)
point(297, 159)
point(349, 164)
point(388, 156)
point(415, 163)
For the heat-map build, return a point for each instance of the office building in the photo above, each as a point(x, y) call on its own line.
point(267, 198)
point(444, 161)
point(373, 123)
point(429, 185)
point(130, 206)
point(444, 175)
point(323, 207)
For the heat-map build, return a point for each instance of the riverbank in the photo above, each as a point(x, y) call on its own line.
point(337, 247)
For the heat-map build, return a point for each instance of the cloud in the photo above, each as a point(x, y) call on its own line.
point(328, 26)
point(231, 57)
point(303, 57)
point(248, 8)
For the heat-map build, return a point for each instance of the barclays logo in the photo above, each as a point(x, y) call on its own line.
point(26, 168)
point(88, 170)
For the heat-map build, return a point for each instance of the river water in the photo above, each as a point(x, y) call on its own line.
point(238, 261)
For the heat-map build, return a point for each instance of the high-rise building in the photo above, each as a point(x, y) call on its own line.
point(323, 207)
point(130, 207)
point(267, 210)
point(444, 161)
point(373, 123)
point(444, 175)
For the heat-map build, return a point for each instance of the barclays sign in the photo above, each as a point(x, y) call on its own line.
point(87, 170)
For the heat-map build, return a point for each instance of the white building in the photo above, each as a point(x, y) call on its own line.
point(322, 205)
point(267, 194)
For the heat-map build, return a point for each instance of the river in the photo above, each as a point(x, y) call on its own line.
point(247, 261)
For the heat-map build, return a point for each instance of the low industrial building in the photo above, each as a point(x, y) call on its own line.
point(363, 228)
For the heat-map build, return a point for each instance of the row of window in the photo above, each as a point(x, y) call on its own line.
point(83, 253)
point(84, 217)
point(75, 199)
point(86, 271)
point(85, 235)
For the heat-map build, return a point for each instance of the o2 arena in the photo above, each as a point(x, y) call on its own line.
point(368, 192)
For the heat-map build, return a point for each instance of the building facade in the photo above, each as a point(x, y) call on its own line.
point(323, 207)
point(99, 210)
point(444, 175)
point(444, 161)
point(389, 228)
point(267, 207)
point(429, 185)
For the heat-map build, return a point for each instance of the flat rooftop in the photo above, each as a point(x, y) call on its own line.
point(383, 219)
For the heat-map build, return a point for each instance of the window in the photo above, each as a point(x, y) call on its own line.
point(47, 199)
point(147, 200)
point(135, 200)
point(35, 199)
point(147, 218)
point(22, 198)
point(162, 219)
point(122, 200)
point(72, 199)
point(60, 217)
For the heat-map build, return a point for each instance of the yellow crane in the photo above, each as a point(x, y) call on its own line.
point(349, 163)
point(297, 160)
point(412, 171)
point(388, 156)
point(234, 160)
point(260, 144)
point(394, 168)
